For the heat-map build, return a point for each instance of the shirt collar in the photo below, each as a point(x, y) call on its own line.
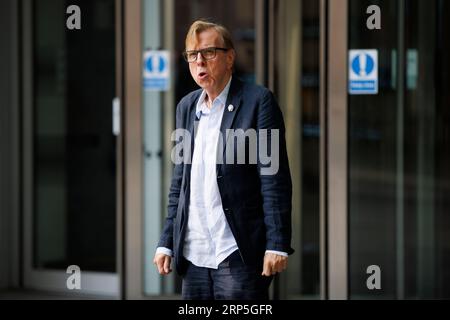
point(222, 98)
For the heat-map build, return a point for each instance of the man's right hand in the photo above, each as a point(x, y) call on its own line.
point(162, 262)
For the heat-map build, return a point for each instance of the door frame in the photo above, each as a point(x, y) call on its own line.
point(133, 182)
point(335, 152)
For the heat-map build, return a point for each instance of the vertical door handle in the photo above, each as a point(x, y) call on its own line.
point(116, 116)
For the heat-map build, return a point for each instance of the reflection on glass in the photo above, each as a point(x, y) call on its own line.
point(74, 148)
point(426, 148)
point(310, 211)
point(296, 86)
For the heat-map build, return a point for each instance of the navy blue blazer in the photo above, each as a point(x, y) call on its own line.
point(257, 207)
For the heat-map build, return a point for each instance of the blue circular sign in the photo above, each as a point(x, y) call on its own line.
point(363, 64)
point(160, 66)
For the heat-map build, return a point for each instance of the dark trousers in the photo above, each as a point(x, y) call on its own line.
point(233, 280)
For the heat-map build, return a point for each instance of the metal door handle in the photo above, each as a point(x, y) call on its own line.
point(116, 116)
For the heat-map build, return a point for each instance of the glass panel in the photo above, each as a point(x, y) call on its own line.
point(372, 144)
point(152, 115)
point(426, 149)
point(296, 86)
point(399, 154)
point(310, 179)
point(74, 148)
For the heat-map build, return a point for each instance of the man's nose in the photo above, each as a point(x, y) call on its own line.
point(200, 60)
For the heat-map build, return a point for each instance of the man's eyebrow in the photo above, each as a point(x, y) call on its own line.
point(207, 47)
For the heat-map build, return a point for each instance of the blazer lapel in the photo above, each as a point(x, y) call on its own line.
point(229, 112)
point(192, 123)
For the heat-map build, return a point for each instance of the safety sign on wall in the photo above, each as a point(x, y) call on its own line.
point(156, 71)
point(363, 71)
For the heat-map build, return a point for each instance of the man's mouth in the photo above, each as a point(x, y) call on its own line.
point(202, 75)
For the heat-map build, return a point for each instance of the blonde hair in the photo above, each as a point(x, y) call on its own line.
point(201, 25)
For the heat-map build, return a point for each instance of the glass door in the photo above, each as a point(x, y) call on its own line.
point(399, 152)
point(72, 144)
point(294, 76)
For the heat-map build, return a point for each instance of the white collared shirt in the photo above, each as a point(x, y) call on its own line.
point(208, 240)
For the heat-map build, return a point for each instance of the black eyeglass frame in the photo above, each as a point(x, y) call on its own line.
point(185, 53)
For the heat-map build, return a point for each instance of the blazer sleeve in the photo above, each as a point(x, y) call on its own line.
point(276, 184)
point(166, 239)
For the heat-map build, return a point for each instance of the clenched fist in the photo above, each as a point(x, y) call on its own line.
point(162, 262)
point(274, 263)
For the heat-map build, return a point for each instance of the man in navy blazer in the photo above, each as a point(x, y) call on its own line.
point(229, 215)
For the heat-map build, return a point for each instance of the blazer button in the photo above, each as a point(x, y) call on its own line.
point(219, 177)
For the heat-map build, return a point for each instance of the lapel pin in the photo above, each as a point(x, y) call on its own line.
point(230, 108)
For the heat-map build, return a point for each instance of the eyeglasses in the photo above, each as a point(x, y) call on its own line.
point(207, 54)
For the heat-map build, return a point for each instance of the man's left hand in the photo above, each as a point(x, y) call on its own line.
point(273, 264)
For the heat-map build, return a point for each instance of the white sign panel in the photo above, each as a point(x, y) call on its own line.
point(156, 71)
point(363, 71)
